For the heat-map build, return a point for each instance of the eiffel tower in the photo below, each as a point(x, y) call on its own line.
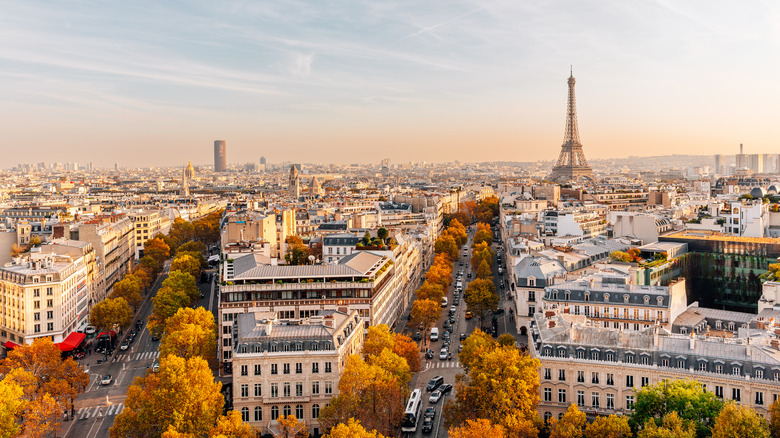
point(571, 164)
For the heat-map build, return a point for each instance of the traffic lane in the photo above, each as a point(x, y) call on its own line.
point(432, 370)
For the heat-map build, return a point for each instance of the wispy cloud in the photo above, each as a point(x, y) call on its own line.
point(300, 66)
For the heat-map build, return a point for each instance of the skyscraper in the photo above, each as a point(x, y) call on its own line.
point(720, 164)
point(571, 164)
point(220, 156)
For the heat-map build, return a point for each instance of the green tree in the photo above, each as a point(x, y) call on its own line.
point(109, 312)
point(129, 289)
point(739, 421)
point(186, 263)
point(570, 425)
point(366, 239)
point(383, 234)
point(165, 304)
point(185, 282)
point(686, 397)
point(183, 394)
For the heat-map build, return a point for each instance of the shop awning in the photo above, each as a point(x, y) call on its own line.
point(10, 345)
point(72, 341)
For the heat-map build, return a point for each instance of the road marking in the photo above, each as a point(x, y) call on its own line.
point(100, 411)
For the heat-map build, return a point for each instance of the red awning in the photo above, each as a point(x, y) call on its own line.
point(10, 345)
point(72, 341)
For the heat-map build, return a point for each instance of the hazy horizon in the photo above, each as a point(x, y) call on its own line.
point(148, 84)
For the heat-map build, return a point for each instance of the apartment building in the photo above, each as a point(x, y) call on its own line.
point(147, 224)
point(600, 369)
point(530, 277)
point(44, 295)
point(290, 366)
point(582, 224)
point(113, 239)
point(336, 246)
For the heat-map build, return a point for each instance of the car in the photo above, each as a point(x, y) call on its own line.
point(427, 426)
point(156, 367)
point(106, 380)
point(452, 310)
point(417, 336)
point(498, 311)
point(435, 397)
point(434, 383)
point(429, 354)
point(446, 336)
point(443, 354)
point(468, 275)
point(460, 348)
point(445, 388)
point(456, 301)
point(90, 330)
point(452, 319)
point(450, 329)
point(463, 336)
point(155, 338)
point(430, 412)
point(469, 315)
point(124, 345)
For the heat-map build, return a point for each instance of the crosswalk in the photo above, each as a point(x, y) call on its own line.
point(134, 357)
point(442, 364)
point(99, 411)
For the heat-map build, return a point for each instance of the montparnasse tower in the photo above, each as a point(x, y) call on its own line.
point(571, 164)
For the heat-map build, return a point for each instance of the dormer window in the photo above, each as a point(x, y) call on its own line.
point(587, 296)
point(567, 295)
point(660, 301)
point(531, 282)
point(606, 298)
point(625, 298)
point(647, 299)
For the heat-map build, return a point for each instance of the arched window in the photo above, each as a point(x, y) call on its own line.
point(245, 413)
point(587, 296)
point(625, 298)
point(287, 410)
point(258, 413)
point(547, 416)
point(299, 411)
point(647, 299)
point(606, 298)
point(567, 295)
point(274, 412)
point(315, 411)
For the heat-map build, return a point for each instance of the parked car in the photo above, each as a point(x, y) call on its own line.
point(427, 426)
point(463, 336)
point(417, 336)
point(435, 397)
point(469, 315)
point(468, 275)
point(445, 388)
point(155, 338)
point(434, 383)
point(156, 367)
point(106, 380)
point(430, 412)
point(90, 330)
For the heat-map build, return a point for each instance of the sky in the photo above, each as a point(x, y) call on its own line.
point(154, 83)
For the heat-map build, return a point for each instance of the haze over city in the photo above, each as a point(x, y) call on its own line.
point(149, 83)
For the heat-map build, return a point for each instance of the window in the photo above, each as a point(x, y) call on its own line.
point(594, 355)
point(610, 401)
point(759, 398)
point(594, 399)
point(244, 370)
point(299, 411)
point(736, 394)
point(547, 394)
point(611, 355)
point(629, 402)
point(531, 310)
point(328, 368)
point(37, 328)
point(37, 304)
point(629, 381)
point(257, 369)
point(258, 413)
point(258, 390)
point(718, 391)
point(629, 358)
point(719, 368)
point(49, 315)
point(286, 410)
point(561, 396)
point(49, 291)
point(645, 360)
point(245, 413)
point(287, 368)
point(759, 374)
point(49, 303)
point(531, 295)
point(702, 366)
point(680, 363)
point(561, 352)
point(645, 381)
point(274, 390)
point(315, 367)
point(562, 375)
point(610, 379)
point(328, 387)
point(299, 389)
point(547, 374)
point(274, 368)
point(581, 398)
point(315, 388)
point(244, 391)
point(274, 412)
point(50, 326)
point(37, 316)
point(735, 370)
point(299, 368)
point(594, 377)
point(580, 354)
point(36, 293)
point(580, 376)
point(547, 416)
point(287, 387)
point(315, 411)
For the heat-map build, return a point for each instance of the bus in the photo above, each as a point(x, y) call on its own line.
point(412, 412)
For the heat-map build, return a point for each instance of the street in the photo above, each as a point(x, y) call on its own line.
point(96, 409)
point(450, 368)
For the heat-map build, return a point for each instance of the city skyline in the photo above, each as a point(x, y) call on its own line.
point(145, 84)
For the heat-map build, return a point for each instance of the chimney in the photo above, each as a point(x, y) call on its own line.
point(655, 335)
point(692, 342)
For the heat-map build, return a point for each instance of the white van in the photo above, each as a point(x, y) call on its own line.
point(444, 301)
point(435, 334)
point(459, 284)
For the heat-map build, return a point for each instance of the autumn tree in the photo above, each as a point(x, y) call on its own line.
point(129, 289)
point(230, 425)
point(608, 427)
point(474, 347)
point(484, 271)
point(297, 253)
point(191, 246)
point(506, 340)
point(481, 297)
point(479, 428)
point(291, 427)
point(440, 271)
point(672, 426)
point(446, 245)
point(621, 256)
point(149, 263)
point(352, 429)
point(774, 418)
point(12, 406)
point(380, 337)
point(189, 333)
point(165, 304)
point(183, 394)
point(105, 314)
point(186, 263)
point(458, 232)
point(144, 275)
point(426, 312)
point(206, 228)
point(499, 385)
point(383, 234)
point(686, 397)
point(430, 291)
point(483, 234)
point(183, 281)
point(181, 232)
point(569, 425)
point(735, 420)
point(158, 250)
